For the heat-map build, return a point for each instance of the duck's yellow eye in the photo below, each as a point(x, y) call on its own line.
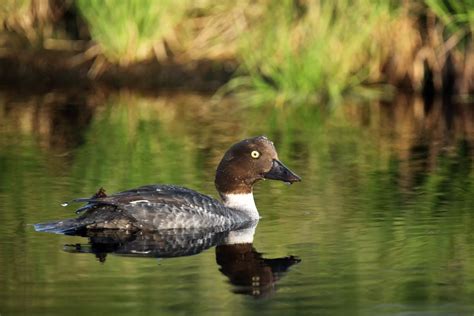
point(255, 154)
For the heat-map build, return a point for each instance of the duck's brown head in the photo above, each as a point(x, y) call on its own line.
point(248, 161)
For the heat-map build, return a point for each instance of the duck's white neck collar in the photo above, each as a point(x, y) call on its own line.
point(243, 202)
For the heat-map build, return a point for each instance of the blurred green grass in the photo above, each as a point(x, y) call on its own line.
point(317, 52)
point(128, 31)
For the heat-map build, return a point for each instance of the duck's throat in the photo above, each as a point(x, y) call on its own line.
point(243, 202)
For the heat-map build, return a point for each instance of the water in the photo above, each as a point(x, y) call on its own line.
point(382, 223)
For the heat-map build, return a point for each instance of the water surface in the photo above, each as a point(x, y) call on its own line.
point(382, 223)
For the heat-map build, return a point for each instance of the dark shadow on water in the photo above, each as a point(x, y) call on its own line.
point(245, 267)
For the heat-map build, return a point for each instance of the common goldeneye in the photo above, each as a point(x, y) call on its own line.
point(157, 207)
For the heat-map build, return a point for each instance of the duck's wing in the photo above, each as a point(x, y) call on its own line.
point(153, 194)
point(167, 206)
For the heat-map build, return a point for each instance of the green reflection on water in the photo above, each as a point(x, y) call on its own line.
point(382, 220)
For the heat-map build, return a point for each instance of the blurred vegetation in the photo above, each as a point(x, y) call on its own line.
point(288, 51)
point(458, 37)
point(458, 16)
point(299, 52)
point(128, 31)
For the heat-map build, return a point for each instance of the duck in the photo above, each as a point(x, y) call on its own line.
point(161, 206)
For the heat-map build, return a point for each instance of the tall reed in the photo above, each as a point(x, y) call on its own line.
point(314, 50)
point(128, 30)
point(457, 47)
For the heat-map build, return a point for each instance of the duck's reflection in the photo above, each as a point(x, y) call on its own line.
point(245, 267)
point(160, 244)
point(249, 271)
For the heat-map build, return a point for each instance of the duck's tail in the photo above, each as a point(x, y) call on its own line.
point(73, 226)
point(65, 226)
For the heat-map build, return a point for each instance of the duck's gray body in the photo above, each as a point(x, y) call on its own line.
point(151, 207)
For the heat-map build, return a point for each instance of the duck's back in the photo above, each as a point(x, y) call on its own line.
point(167, 206)
point(150, 207)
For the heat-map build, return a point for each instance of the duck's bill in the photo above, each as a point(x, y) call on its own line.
point(280, 172)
